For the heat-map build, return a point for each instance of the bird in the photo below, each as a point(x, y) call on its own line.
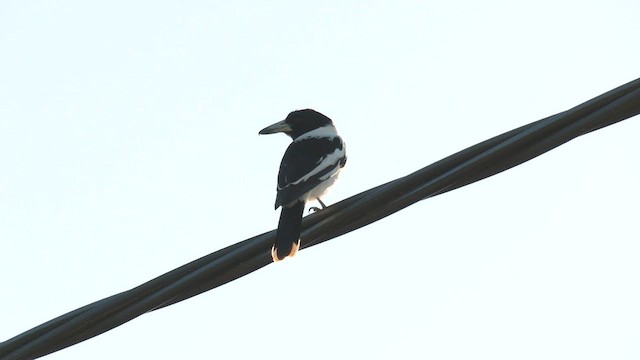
point(310, 166)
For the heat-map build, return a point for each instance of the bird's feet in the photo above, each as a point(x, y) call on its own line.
point(314, 208)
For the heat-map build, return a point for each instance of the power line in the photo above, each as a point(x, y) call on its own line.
point(465, 167)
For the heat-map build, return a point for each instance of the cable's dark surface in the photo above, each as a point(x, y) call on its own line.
point(465, 167)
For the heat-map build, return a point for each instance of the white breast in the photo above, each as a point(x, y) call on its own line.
point(321, 189)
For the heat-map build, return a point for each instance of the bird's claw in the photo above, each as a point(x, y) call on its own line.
point(317, 208)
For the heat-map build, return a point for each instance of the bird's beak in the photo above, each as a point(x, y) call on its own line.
point(280, 126)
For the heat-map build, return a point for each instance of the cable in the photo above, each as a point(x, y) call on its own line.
point(475, 163)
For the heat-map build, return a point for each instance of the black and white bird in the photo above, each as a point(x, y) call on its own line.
point(309, 167)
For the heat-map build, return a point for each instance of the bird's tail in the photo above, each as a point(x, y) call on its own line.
point(288, 234)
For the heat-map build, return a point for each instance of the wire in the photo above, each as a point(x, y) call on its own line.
point(475, 163)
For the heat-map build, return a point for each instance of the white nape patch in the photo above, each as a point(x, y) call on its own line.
point(332, 159)
point(325, 131)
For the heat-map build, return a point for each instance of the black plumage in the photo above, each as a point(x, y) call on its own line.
point(300, 159)
point(309, 167)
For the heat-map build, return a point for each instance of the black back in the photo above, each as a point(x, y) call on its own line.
point(300, 159)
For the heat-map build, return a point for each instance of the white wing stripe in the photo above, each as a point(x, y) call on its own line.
point(331, 173)
point(330, 160)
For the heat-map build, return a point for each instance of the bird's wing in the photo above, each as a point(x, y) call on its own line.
point(306, 164)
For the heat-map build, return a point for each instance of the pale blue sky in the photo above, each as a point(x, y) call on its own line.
point(129, 146)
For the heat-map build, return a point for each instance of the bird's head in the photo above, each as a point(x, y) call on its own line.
point(298, 123)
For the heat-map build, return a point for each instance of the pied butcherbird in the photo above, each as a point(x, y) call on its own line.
point(309, 167)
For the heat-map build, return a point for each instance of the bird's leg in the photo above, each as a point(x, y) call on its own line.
point(316, 208)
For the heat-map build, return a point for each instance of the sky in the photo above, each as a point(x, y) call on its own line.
point(129, 146)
